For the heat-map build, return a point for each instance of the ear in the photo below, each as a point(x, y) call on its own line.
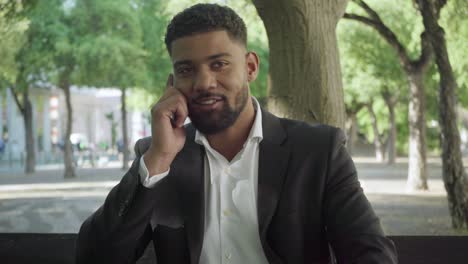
point(253, 63)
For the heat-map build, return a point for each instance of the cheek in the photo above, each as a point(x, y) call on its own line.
point(232, 80)
point(183, 85)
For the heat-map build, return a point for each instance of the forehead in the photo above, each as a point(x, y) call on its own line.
point(203, 45)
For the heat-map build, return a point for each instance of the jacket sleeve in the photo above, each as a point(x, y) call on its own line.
point(353, 230)
point(119, 231)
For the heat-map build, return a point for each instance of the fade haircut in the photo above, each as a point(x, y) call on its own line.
point(201, 18)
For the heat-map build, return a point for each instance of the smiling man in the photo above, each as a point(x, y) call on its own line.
point(238, 184)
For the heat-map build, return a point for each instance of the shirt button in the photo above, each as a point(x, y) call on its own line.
point(227, 256)
point(227, 170)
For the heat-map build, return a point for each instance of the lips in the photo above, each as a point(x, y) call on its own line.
point(208, 100)
point(207, 103)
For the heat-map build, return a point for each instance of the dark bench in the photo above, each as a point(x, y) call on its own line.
point(59, 249)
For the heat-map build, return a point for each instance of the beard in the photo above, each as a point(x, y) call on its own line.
point(215, 121)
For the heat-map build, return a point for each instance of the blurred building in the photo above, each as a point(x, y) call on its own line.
point(90, 125)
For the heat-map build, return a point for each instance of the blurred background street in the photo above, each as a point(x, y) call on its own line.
point(45, 202)
point(78, 79)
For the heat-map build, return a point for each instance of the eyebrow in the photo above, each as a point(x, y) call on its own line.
point(211, 57)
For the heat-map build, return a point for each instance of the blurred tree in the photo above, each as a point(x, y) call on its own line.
point(65, 64)
point(13, 25)
point(109, 50)
point(453, 171)
point(153, 18)
point(415, 70)
point(455, 25)
point(372, 78)
point(49, 55)
point(391, 100)
point(12, 36)
point(28, 67)
point(304, 65)
point(113, 129)
point(353, 106)
point(45, 58)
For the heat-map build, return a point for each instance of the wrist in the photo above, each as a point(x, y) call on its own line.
point(157, 163)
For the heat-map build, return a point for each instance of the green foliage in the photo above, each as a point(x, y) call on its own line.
point(107, 44)
point(34, 59)
point(153, 19)
point(369, 65)
point(453, 20)
point(12, 38)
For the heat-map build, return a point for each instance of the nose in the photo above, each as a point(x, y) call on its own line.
point(204, 80)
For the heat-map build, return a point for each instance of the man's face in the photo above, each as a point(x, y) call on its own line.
point(213, 73)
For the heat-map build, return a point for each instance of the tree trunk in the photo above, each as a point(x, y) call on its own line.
point(414, 69)
point(304, 64)
point(417, 167)
point(126, 154)
point(352, 133)
point(68, 155)
point(26, 112)
point(30, 165)
point(453, 171)
point(378, 142)
point(392, 134)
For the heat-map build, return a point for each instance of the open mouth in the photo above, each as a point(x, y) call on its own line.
point(208, 100)
point(208, 103)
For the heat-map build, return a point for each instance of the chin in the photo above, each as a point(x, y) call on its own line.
point(213, 123)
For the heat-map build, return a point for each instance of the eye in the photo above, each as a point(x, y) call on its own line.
point(218, 65)
point(184, 70)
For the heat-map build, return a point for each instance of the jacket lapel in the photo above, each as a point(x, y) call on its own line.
point(273, 160)
point(189, 175)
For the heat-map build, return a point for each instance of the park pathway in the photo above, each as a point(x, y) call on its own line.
point(47, 203)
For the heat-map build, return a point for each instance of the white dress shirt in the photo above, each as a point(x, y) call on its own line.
point(231, 224)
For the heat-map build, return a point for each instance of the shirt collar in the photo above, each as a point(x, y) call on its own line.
point(256, 132)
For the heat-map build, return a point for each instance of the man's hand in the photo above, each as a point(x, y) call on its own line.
point(167, 128)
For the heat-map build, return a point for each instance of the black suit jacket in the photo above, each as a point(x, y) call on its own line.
point(309, 199)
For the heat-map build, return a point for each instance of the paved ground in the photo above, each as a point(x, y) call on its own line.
point(46, 203)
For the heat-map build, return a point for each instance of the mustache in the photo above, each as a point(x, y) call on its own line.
point(203, 95)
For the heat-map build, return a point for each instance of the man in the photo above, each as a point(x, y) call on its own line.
point(237, 185)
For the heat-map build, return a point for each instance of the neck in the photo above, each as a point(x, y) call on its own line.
point(231, 140)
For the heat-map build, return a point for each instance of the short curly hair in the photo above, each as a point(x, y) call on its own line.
point(202, 18)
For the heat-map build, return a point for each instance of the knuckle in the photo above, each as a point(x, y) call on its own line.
point(180, 99)
point(154, 109)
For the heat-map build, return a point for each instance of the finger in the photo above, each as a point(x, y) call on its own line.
point(169, 88)
point(174, 109)
point(181, 112)
point(170, 81)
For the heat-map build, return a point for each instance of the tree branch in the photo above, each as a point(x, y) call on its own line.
point(389, 98)
point(426, 52)
point(435, 6)
point(375, 22)
point(354, 108)
point(15, 96)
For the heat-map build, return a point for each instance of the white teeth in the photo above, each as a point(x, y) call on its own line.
point(207, 102)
